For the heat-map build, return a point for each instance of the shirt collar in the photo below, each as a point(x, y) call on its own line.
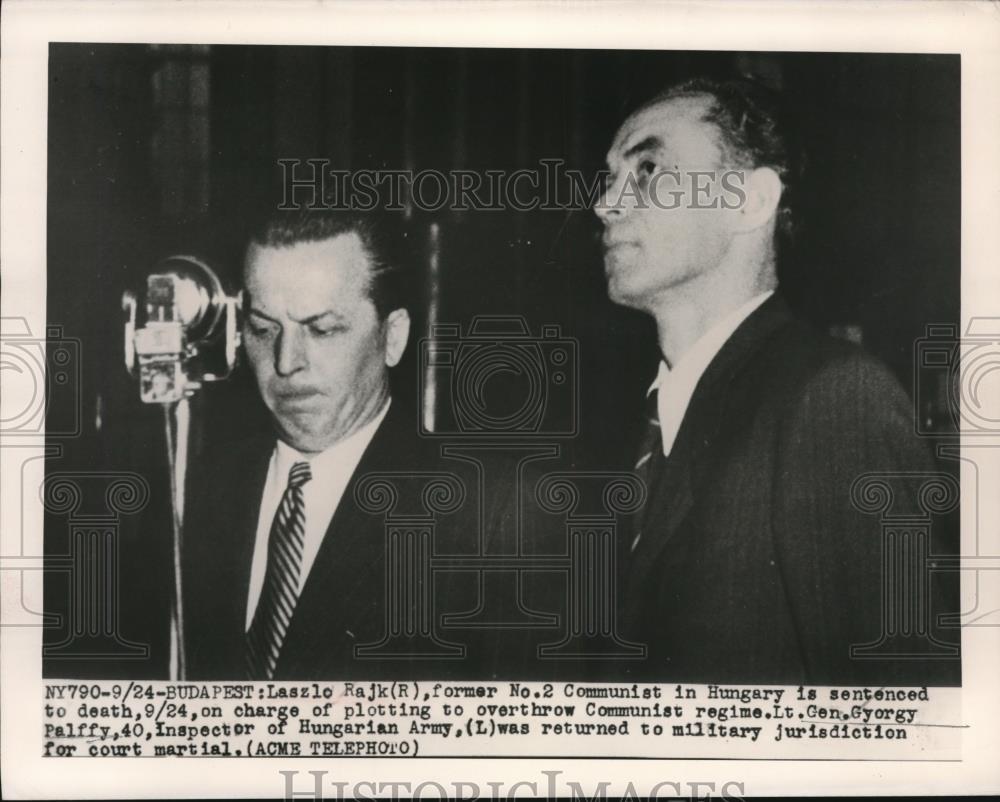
point(677, 386)
point(698, 357)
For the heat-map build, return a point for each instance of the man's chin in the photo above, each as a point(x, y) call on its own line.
point(623, 292)
point(302, 437)
point(620, 274)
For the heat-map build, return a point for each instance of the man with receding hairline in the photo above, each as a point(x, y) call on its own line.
point(285, 574)
point(748, 562)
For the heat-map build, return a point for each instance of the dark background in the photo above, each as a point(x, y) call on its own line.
point(162, 149)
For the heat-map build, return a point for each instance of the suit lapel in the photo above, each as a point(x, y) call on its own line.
point(680, 481)
point(246, 527)
point(346, 582)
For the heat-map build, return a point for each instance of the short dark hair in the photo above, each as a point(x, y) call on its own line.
point(752, 132)
point(381, 236)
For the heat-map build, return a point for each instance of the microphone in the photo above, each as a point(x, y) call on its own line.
point(182, 330)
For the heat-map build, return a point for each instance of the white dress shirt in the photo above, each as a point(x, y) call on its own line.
point(676, 385)
point(331, 471)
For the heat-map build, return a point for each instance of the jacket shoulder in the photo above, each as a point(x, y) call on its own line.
point(814, 369)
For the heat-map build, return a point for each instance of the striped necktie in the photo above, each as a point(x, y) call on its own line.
point(650, 452)
point(281, 579)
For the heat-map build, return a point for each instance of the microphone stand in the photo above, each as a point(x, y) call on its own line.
point(186, 311)
point(177, 425)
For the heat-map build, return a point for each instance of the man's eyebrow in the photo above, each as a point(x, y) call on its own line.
point(320, 316)
point(255, 311)
point(649, 143)
point(304, 321)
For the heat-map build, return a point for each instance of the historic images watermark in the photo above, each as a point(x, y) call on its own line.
point(39, 373)
point(318, 785)
point(548, 186)
point(464, 373)
point(42, 388)
point(956, 381)
point(953, 375)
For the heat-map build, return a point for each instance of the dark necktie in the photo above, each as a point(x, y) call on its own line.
point(650, 454)
point(281, 579)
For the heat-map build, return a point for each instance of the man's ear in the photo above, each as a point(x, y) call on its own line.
point(762, 192)
point(397, 334)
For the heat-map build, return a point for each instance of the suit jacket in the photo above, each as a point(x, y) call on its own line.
point(754, 565)
point(343, 603)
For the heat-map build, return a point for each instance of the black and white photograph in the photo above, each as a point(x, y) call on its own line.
point(690, 280)
point(621, 399)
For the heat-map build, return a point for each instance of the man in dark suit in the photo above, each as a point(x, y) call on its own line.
point(285, 569)
point(749, 562)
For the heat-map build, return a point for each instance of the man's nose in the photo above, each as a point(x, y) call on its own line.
point(609, 207)
point(290, 353)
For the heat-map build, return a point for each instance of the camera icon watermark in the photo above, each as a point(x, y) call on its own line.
point(957, 379)
point(499, 380)
point(41, 381)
